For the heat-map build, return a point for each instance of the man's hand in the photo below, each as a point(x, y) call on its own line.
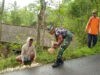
point(55, 45)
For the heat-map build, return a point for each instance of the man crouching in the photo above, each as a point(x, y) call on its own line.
point(28, 53)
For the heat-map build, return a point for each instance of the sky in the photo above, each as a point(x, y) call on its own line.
point(22, 3)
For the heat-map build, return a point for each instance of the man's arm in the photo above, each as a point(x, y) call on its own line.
point(34, 52)
point(88, 25)
point(22, 53)
point(59, 41)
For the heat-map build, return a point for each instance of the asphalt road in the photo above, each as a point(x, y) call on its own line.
point(83, 66)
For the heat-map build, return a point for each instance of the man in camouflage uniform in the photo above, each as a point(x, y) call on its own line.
point(63, 39)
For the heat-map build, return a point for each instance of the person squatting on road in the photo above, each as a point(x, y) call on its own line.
point(63, 39)
point(28, 53)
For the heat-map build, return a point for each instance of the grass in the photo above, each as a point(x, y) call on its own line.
point(44, 57)
point(8, 62)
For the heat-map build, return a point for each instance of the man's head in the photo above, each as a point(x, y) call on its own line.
point(94, 13)
point(51, 29)
point(30, 41)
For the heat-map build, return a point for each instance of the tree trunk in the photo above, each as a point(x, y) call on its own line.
point(1, 20)
point(40, 23)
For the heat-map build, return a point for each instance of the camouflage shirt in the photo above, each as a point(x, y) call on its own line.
point(64, 32)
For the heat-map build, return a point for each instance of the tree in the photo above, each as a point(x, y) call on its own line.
point(1, 16)
point(4, 50)
point(2, 9)
point(15, 18)
point(27, 16)
point(40, 24)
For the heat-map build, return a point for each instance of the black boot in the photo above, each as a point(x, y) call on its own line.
point(57, 63)
point(61, 61)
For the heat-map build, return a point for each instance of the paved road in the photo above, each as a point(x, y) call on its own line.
point(82, 66)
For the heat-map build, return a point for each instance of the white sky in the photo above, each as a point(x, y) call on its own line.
point(22, 3)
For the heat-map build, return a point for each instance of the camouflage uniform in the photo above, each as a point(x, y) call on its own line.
point(67, 38)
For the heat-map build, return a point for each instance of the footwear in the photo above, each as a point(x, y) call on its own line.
point(61, 61)
point(58, 63)
point(55, 65)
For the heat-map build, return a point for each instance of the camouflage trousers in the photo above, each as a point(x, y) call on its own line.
point(63, 47)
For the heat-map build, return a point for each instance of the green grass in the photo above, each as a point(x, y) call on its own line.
point(81, 52)
point(8, 62)
point(44, 57)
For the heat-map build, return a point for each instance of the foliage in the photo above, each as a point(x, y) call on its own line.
point(72, 15)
